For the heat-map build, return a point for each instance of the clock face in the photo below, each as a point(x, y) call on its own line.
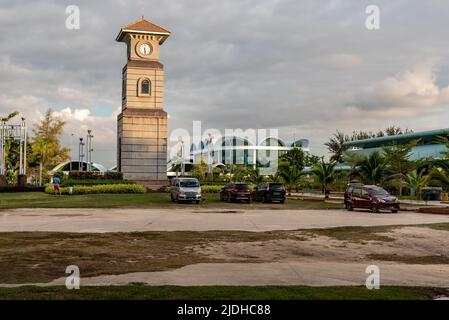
point(145, 49)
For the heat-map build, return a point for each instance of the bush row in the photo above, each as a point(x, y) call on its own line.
point(108, 188)
point(21, 189)
point(91, 182)
point(91, 175)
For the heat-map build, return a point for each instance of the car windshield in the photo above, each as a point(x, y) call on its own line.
point(241, 186)
point(379, 192)
point(192, 183)
point(276, 186)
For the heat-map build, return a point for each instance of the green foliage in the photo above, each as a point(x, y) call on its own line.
point(370, 170)
point(440, 173)
point(291, 176)
point(91, 182)
point(111, 188)
point(311, 160)
point(255, 177)
point(324, 175)
point(199, 170)
point(46, 146)
point(95, 175)
point(417, 181)
point(211, 189)
point(293, 158)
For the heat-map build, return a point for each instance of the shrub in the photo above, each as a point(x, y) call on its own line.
point(107, 188)
point(211, 189)
point(90, 182)
point(91, 175)
point(16, 188)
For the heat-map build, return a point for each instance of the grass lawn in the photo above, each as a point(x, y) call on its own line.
point(150, 200)
point(138, 292)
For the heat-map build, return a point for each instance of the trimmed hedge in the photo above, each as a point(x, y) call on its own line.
point(91, 182)
point(21, 189)
point(107, 188)
point(92, 175)
point(206, 189)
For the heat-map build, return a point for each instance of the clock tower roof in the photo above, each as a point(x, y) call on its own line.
point(143, 26)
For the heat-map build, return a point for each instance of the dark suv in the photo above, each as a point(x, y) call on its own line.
point(269, 192)
point(235, 191)
point(369, 197)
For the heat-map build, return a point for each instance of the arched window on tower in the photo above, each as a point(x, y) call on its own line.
point(145, 86)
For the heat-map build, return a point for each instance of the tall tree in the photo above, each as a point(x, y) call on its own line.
point(293, 158)
point(336, 146)
point(325, 175)
point(291, 176)
point(417, 181)
point(47, 134)
point(371, 169)
point(398, 164)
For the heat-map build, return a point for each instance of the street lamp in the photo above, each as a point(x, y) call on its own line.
point(81, 155)
point(89, 149)
point(209, 144)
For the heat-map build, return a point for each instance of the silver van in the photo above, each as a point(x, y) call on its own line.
point(185, 189)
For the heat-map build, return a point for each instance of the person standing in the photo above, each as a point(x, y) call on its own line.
point(56, 183)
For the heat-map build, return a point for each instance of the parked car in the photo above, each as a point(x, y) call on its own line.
point(370, 197)
point(269, 192)
point(185, 189)
point(235, 192)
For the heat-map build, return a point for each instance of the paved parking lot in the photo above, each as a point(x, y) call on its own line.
point(127, 220)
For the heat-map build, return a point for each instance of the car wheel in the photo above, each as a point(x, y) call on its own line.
point(248, 201)
point(394, 211)
point(349, 206)
point(375, 208)
point(264, 199)
point(197, 201)
point(229, 198)
point(282, 201)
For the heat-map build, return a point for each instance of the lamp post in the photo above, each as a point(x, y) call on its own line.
point(89, 149)
point(80, 155)
point(209, 144)
point(71, 151)
point(183, 168)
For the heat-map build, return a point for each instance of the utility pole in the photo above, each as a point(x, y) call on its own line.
point(81, 155)
point(71, 151)
point(209, 145)
point(183, 168)
point(89, 150)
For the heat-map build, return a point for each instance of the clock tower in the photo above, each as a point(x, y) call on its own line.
point(142, 124)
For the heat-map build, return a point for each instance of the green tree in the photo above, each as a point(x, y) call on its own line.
point(311, 160)
point(371, 169)
point(255, 176)
point(398, 164)
point(417, 181)
point(325, 175)
point(440, 173)
point(293, 158)
point(336, 146)
point(199, 170)
point(291, 176)
point(46, 145)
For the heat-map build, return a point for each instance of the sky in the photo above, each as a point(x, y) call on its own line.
point(306, 68)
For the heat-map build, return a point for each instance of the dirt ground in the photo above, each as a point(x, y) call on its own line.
point(421, 245)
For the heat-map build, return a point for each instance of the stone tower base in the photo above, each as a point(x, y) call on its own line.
point(142, 146)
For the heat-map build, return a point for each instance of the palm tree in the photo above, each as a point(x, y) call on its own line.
point(9, 116)
point(291, 177)
point(325, 175)
point(417, 181)
point(255, 176)
point(42, 148)
point(336, 146)
point(440, 172)
point(371, 169)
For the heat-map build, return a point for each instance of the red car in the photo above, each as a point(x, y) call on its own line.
point(370, 197)
point(235, 191)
